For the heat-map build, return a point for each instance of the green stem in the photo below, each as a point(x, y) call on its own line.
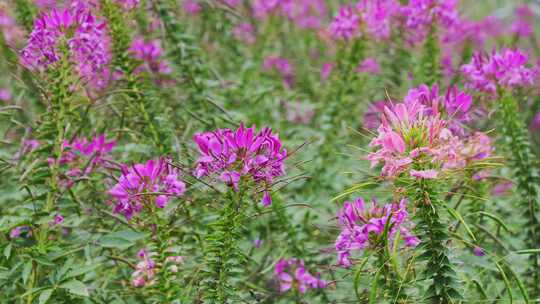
point(430, 66)
point(526, 173)
point(433, 233)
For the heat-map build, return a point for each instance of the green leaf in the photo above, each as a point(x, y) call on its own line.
point(120, 239)
point(7, 251)
point(75, 287)
point(45, 295)
point(374, 287)
point(26, 271)
point(357, 276)
point(458, 217)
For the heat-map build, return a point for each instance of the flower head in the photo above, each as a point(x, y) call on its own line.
point(345, 25)
point(363, 226)
point(377, 16)
point(72, 33)
point(233, 155)
point(150, 54)
point(146, 185)
point(506, 70)
point(292, 273)
point(419, 132)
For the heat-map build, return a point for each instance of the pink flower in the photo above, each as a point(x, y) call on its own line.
point(145, 270)
point(150, 54)
point(10, 30)
point(523, 25)
point(345, 25)
point(5, 95)
point(298, 113)
point(378, 16)
point(244, 32)
point(372, 116)
point(362, 227)
point(192, 7)
point(282, 66)
point(506, 70)
point(421, 14)
point(83, 156)
point(144, 186)
point(293, 273)
point(427, 174)
point(235, 154)
point(84, 37)
point(326, 69)
point(128, 4)
point(369, 66)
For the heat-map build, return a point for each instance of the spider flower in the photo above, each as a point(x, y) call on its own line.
point(145, 270)
point(146, 185)
point(362, 227)
point(415, 139)
point(233, 155)
point(83, 156)
point(377, 16)
point(421, 15)
point(72, 33)
point(346, 24)
point(292, 273)
point(505, 70)
point(150, 54)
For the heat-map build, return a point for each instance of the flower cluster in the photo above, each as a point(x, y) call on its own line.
point(303, 13)
point(145, 271)
point(236, 154)
point(420, 14)
point(245, 32)
point(523, 25)
point(377, 16)
point(72, 33)
point(83, 156)
point(506, 70)
point(11, 32)
point(413, 137)
point(362, 227)
point(146, 185)
point(282, 66)
point(150, 54)
point(346, 24)
point(293, 273)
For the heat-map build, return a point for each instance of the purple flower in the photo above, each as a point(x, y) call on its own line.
point(150, 54)
point(535, 123)
point(10, 30)
point(478, 251)
point(146, 185)
point(377, 16)
point(84, 156)
point(369, 66)
point(244, 32)
point(128, 4)
point(523, 25)
point(78, 30)
point(421, 14)
point(345, 25)
point(326, 69)
point(145, 270)
point(17, 231)
point(282, 66)
point(5, 95)
point(192, 7)
point(506, 70)
point(362, 227)
point(292, 273)
point(232, 155)
point(58, 219)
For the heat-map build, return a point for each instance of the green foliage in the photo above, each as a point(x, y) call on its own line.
point(526, 174)
point(430, 64)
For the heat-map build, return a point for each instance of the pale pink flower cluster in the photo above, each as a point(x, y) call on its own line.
point(378, 15)
point(245, 32)
point(150, 55)
point(83, 156)
point(292, 273)
point(415, 140)
point(282, 66)
point(303, 13)
point(146, 268)
point(11, 31)
point(363, 227)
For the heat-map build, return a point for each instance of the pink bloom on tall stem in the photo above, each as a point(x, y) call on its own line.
point(362, 227)
point(378, 16)
point(345, 25)
point(523, 25)
point(146, 186)
point(145, 270)
point(292, 273)
point(234, 155)
point(192, 7)
point(78, 31)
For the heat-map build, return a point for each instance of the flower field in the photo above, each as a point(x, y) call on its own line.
point(269, 151)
